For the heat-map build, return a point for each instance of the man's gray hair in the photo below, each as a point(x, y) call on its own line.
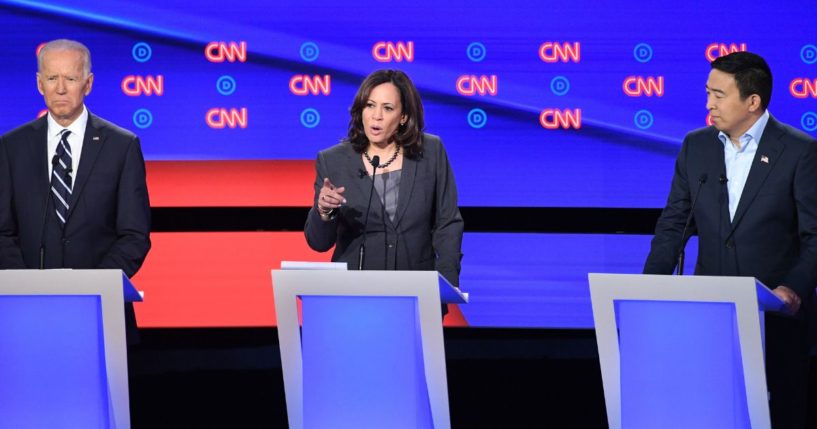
point(66, 45)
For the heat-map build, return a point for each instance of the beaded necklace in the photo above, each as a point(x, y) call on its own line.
point(386, 164)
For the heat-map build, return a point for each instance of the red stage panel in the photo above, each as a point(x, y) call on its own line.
point(220, 279)
point(215, 279)
point(230, 183)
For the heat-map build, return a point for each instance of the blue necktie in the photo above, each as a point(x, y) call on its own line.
point(61, 183)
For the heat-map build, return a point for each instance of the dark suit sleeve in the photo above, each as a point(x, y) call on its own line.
point(802, 278)
point(11, 256)
point(320, 235)
point(446, 236)
point(132, 215)
point(664, 248)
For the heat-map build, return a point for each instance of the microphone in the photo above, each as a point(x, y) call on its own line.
point(361, 255)
point(385, 234)
point(701, 181)
point(54, 161)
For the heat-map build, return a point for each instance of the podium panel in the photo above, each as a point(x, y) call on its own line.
point(682, 351)
point(63, 360)
point(54, 342)
point(680, 365)
point(352, 342)
point(370, 352)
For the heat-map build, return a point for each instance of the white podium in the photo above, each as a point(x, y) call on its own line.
point(63, 357)
point(369, 353)
point(682, 351)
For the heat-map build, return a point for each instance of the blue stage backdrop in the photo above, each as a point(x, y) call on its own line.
point(539, 104)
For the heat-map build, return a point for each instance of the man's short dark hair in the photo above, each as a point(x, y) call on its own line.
point(752, 74)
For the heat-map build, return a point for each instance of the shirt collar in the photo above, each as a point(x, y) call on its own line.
point(77, 127)
point(755, 132)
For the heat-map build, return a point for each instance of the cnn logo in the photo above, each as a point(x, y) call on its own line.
point(220, 118)
point(801, 87)
point(385, 52)
point(134, 86)
point(469, 85)
point(302, 84)
point(552, 119)
point(553, 52)
point(715, 50)
point(219, 52)
point(637, 86)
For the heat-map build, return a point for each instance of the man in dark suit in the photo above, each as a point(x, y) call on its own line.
point(72, 185)
point(754, 181)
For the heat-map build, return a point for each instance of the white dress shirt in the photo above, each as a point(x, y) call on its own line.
point(77, 129)
point(739, 161)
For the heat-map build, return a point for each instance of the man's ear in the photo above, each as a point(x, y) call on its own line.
point(755, 103)
point(89, 83)
point(40, 84)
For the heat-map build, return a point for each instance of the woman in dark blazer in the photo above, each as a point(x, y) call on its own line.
point(387, 188)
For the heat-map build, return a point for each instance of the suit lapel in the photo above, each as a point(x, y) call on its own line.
point(407, 178)
point(720, 167)
point(358, 177)
point(38, 143)
point(769, 150)
point(91, 145)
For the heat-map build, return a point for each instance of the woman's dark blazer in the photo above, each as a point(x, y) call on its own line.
point(426, 233)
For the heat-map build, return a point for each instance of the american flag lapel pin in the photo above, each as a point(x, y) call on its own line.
point(764, 159)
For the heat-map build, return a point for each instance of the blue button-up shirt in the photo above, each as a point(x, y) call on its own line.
point(739, 161)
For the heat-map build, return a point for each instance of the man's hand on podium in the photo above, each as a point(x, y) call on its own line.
point(789, 298)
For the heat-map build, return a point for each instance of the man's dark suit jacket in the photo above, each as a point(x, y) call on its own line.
point(108, 221)
point(773, 236)
point(426, 233)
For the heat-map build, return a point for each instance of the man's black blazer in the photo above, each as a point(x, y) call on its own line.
point(426, 233)
point(773, 236)
point(108, 222)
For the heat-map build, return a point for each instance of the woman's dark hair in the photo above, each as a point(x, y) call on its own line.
point(409, 135)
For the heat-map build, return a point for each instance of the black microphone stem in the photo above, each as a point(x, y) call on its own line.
point(701, 181)
point(385, 232)
point(362, 253)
